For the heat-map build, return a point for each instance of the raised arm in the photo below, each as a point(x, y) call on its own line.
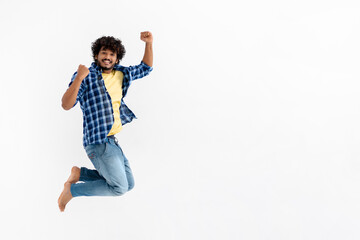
point(148, 55)
point(69, 98)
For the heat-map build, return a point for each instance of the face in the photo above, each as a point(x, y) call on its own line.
point(106, 59)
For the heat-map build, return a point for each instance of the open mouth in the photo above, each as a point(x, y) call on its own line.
point(106, 61)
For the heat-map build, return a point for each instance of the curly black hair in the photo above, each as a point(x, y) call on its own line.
point(109, 43)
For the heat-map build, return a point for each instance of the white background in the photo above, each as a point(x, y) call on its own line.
point(248, 126)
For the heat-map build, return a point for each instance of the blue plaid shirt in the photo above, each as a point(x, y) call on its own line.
point(95, 101)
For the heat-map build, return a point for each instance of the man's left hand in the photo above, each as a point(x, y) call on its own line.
point(146, 37)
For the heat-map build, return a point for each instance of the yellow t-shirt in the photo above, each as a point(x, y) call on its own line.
point(113, 83)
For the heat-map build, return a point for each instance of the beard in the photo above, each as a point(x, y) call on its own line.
point(105, 67)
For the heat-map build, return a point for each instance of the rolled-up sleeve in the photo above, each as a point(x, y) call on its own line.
point(139, 71)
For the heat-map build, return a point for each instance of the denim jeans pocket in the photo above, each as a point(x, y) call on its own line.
point(96, 150)
point(95, 153)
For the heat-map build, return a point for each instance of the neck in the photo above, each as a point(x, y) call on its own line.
point(107, 71)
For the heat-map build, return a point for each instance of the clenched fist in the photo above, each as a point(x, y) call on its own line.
point(82, 71)
point(146, 37)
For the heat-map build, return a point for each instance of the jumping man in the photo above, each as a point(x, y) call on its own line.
point(100, 89)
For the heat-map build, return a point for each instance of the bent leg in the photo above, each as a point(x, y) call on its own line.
point(109, 178)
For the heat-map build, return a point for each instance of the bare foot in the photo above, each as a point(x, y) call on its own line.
point(75, 175)
point(65, 196)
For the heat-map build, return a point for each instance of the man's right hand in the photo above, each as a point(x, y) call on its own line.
point(69, 98)
point(82, 71)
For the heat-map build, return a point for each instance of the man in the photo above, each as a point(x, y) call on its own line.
point(100, 91)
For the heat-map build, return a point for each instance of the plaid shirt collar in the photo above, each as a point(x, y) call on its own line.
point(98, 69)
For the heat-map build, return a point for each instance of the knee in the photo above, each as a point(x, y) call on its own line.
point(119, 190)
point(131, 186)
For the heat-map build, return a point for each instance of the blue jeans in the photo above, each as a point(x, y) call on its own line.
point(112, 177)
